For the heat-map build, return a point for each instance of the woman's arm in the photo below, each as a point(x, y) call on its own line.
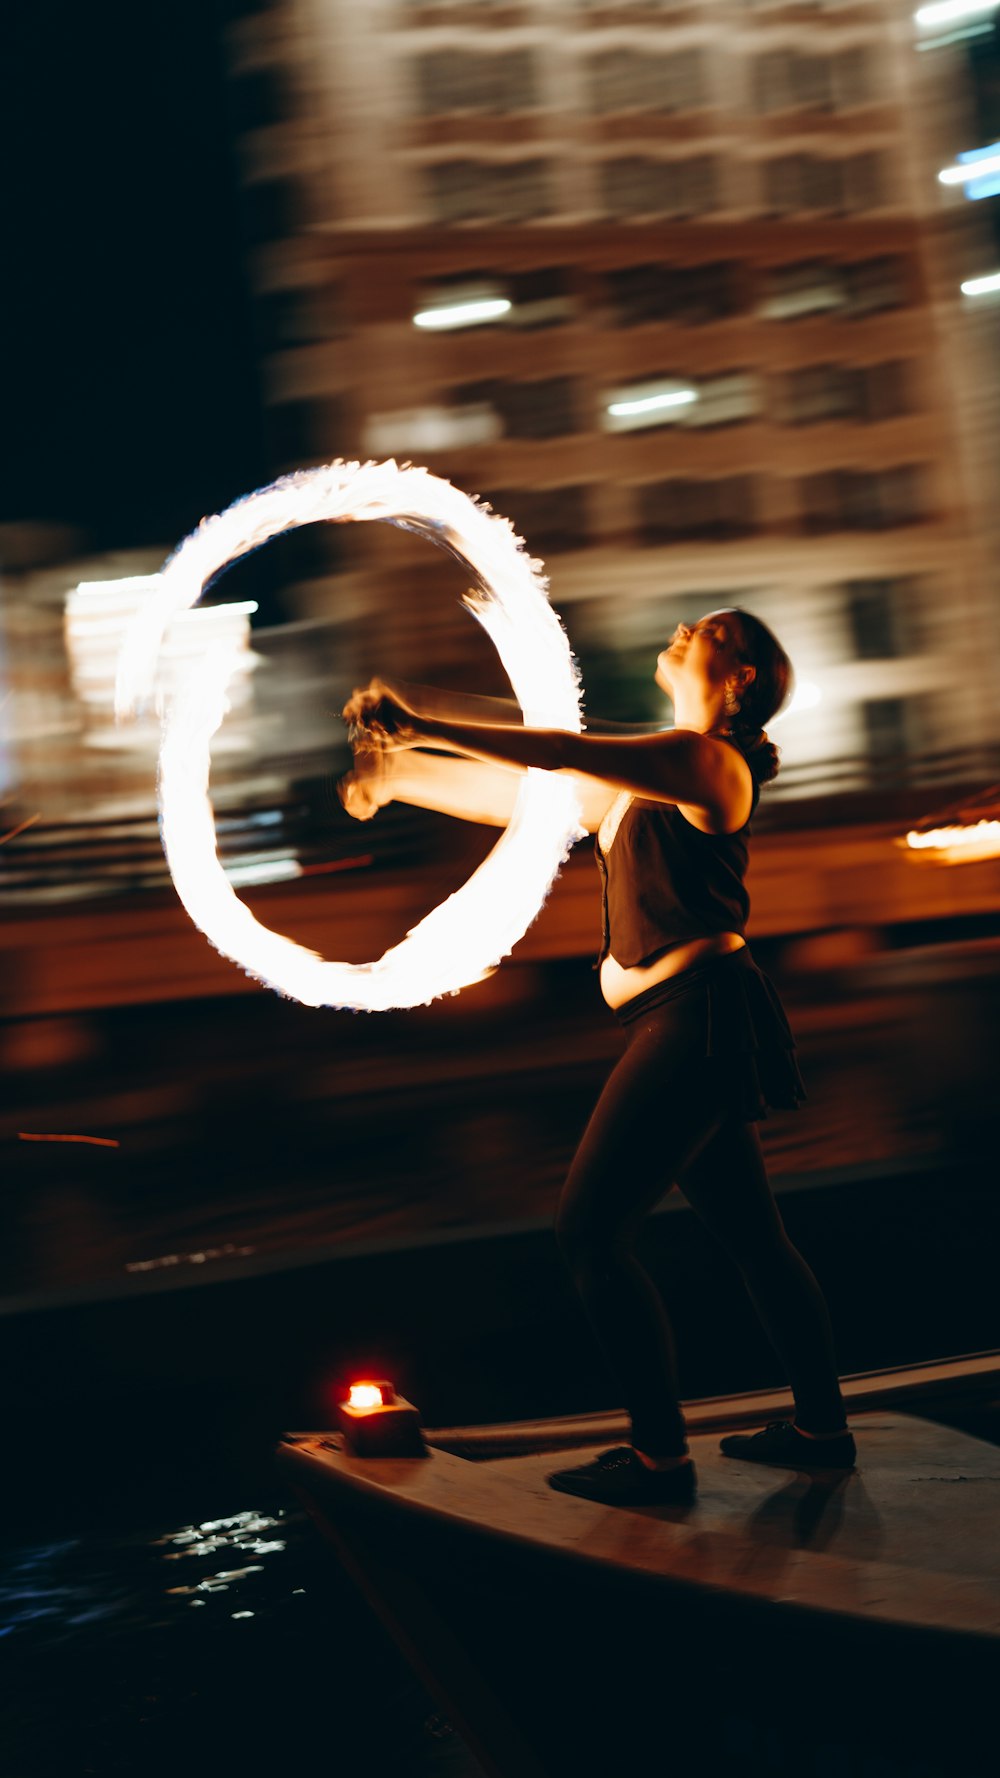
point(467, 788)
point(678, 765)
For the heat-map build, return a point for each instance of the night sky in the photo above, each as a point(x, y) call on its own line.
point(129, 385)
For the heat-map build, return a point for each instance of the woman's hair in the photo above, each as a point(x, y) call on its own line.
point(763, 697)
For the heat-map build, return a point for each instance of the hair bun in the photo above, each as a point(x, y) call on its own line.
point(760, 753)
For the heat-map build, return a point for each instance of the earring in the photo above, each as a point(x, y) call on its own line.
point(732, 702)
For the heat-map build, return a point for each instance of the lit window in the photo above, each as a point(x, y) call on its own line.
point(660, 402)
point(664, 401)
point(419, 431)
point(449, 307)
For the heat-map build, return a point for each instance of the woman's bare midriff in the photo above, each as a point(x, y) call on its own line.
point(619, 985)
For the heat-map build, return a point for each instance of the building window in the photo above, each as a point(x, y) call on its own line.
point(496, 191)
point(697, 510)
point(808, 287)
point(880, 615)
point(452, 80)
point(546, 408)
point(637, 186)
point(821, 392)
point(886, 729)
point(816, 287)
point(874, 284)
point(853, 79)
point(870, 392)
point(542, 298)
point(723, 400)
point(627, 80)
point(785, 80)
point(866, 181)
point(551, 520)
point(687, 295)
point(795, 182)
point(862, 500)
point(419, 431)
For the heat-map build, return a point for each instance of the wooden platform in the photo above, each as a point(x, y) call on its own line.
point(787, 1624)
point(908, 1538)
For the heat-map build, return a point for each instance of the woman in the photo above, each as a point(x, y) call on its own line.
point(708, 1048)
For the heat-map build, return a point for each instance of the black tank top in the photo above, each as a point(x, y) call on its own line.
point(665, 882)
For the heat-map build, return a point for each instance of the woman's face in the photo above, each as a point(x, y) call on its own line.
point(705, 655)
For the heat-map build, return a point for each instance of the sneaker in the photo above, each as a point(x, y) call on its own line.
point(620, 1478)
point(781, 1442)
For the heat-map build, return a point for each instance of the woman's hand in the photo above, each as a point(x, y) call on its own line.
point(365, 791)
point(377, 716)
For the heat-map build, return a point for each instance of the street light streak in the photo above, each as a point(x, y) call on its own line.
point(972, 169)
point(463, 314)
point(981, 836)
point(980, 286)
point(648, 403)
point(945, 12)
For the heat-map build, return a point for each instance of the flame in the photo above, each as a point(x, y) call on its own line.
point(365, 1395)
point(467, 935)
point(964, 841)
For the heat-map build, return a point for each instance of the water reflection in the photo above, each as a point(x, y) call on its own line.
point(112, 1673)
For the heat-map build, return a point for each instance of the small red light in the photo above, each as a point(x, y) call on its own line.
point(366, 1395)
point(375, 1422)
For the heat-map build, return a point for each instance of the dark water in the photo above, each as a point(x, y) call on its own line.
point(230, 1645)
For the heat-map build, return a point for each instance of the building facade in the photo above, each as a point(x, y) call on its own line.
point(674, 287)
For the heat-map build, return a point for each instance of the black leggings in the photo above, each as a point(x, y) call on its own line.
point(664, 1118)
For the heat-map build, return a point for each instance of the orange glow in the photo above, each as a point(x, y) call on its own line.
point(95, 1141)
point(365, 1395)
point(963, 842)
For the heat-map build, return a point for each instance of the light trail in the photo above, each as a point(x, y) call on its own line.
point(467, 935)
point(468, 314)
point(94, 1141)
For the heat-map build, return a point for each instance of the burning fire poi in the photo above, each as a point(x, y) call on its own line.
point(466, 935)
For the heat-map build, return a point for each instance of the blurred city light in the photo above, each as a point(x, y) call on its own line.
point(264, 870)
point(960, 843)
point(949, 12)
point(978, 170)
point(97, 616)
point(648, 404)
point(806, 696)
point(981, 286)
point(463, 314)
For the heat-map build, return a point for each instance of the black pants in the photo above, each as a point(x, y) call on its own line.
point(665, 1118)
